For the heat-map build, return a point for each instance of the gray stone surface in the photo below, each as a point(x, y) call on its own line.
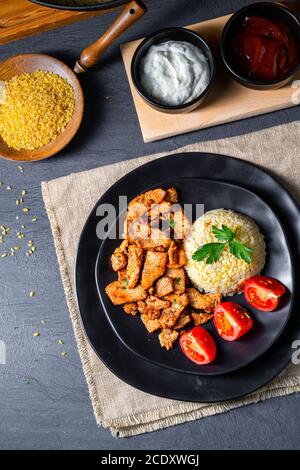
point(44, 402)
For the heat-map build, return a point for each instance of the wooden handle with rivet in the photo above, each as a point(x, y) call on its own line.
point(132, 12)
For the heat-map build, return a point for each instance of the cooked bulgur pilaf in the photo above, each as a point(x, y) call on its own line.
point(37, 108)
point(226, 275)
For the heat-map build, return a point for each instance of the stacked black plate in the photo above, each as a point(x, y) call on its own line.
point(122, 342)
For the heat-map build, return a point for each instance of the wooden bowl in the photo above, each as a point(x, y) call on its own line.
point(31, 63)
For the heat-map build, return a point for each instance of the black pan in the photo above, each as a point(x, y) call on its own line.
point(131, 13)
point(81, 5)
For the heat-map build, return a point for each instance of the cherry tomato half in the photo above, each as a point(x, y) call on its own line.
point(263, 292)
point(232, 320)
point(198, 345)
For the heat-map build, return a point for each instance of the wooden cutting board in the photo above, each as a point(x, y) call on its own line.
point(20, 18)
point(227, 102)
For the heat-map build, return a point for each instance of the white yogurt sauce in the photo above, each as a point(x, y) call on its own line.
point(174, 72)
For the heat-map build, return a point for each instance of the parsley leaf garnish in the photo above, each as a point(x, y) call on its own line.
point(239, 250)
point(172, 223)
point(212, 251)
point(224, 234)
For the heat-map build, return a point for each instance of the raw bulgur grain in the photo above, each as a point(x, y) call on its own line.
point(37, 108)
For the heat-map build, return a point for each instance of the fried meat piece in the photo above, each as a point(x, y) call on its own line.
point(131, 308)
point(152, 314)
point(151, 325)
point(158, 211)
point(138, 229)
point(155, 240)
point(134, 265)
point(171, 314)
point(154, 196)
point(172, 254)
point(180, 300)
point(169, 317)
point(176, 256)
point(146, 311)
point(120, 295)
point(201, 318)
point(164, 286)
point(143, 202)
point(142, 307)
point(154, 303)
point(118, 259)
point(171, 196)
point(206, 302)
point(181, 224)
point(183, 320)
point(178, 277)
point(154, 267)
point(122, 277)
point(167, 338)
point(155, 245)
point(152, 306)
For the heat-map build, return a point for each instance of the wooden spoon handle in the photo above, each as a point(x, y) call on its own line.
point(130, 14)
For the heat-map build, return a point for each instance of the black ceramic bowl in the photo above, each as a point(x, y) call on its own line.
point(172, 34)
point(268, 10)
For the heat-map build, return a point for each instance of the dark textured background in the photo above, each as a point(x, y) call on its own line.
point(44, 402)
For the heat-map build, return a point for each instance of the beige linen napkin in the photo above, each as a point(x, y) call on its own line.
point(68, 200)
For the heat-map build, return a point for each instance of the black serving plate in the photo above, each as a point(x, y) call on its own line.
point(267, 328)
point(146, 375)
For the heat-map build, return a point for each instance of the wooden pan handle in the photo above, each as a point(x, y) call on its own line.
point(90, 56)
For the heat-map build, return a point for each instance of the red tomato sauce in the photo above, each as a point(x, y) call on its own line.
point(265, 49)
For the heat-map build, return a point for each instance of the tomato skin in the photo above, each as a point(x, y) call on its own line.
point(198, 345)
point(263, 292)
point(232, 321)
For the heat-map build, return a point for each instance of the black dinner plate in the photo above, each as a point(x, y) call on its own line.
point(267, 327)
point(146, 375)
